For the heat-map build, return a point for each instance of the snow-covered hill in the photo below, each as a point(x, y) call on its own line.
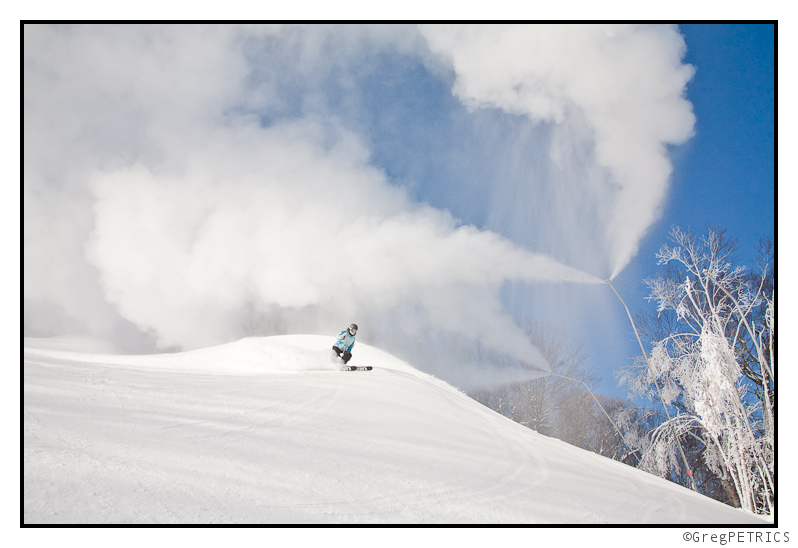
point(268, 430)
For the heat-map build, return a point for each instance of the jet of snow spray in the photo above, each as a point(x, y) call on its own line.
point(195, 204)
point(194, 221)
point(618, 89)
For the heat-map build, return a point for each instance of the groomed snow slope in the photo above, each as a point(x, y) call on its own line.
point(267, 430)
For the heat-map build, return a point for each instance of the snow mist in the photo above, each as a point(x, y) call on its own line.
point(189, 185)
point(194, 218)
point(608, 99)
point(267, 218)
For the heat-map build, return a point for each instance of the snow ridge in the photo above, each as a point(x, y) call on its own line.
point(267, 430)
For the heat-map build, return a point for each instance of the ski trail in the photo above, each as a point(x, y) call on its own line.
point(189, 442)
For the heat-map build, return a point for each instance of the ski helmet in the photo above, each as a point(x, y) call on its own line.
point(353, 328)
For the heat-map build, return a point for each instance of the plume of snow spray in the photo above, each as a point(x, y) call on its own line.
point(190, 191)
point(182, 254)
point(199, 214)
point(625, 82)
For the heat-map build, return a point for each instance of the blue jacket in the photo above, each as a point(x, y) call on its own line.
point(345, 341)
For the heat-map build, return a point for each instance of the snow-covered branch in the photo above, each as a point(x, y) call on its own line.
point(723, 400)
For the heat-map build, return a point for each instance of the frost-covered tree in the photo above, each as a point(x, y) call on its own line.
point(610, 437)
point(562, 405)
point(713, 364)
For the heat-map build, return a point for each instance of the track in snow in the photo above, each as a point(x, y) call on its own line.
point(268, 431)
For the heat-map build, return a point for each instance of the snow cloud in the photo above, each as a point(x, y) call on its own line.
point(619, 89)
point(270, 217)
point(156, 190)
point(189, 185)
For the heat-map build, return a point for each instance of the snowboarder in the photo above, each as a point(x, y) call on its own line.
point(346, 340)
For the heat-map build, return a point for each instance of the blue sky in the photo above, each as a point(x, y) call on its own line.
point(184, 184)
point(725, 174)
point(734, 144)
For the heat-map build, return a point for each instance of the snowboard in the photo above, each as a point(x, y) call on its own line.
point(355, 368)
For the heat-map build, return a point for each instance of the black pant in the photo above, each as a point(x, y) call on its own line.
point(346, 356)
